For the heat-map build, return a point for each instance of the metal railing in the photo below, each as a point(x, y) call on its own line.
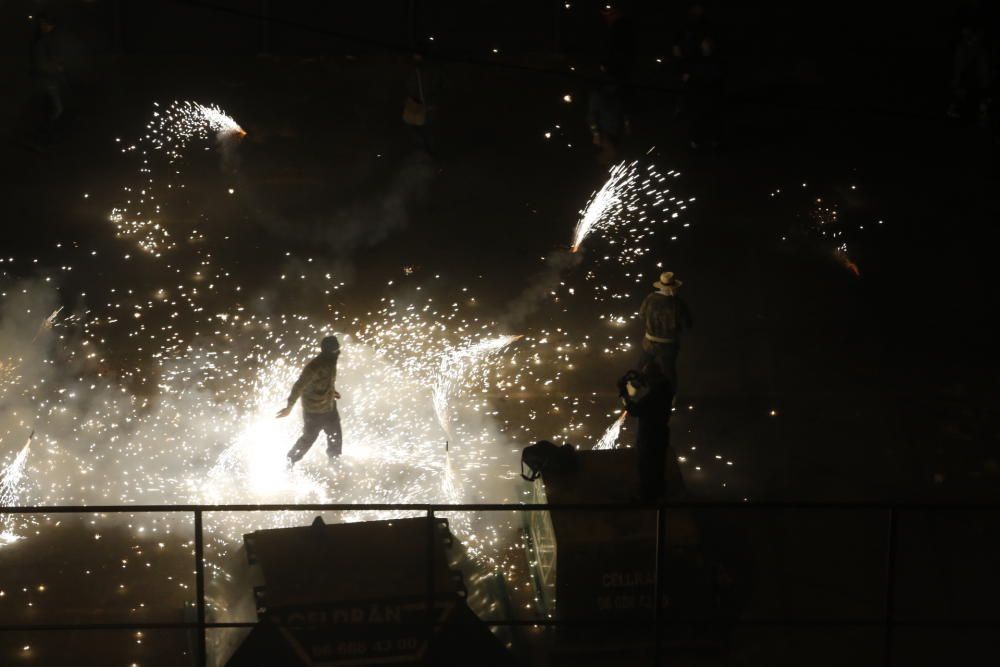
point(889, 621)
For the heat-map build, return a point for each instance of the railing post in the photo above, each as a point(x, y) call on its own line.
point(201, 657)
point(658, 585)
point(430, 575)
point(890, 588)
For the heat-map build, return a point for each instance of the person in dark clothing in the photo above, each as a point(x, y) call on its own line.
point(648, 396)
point(607, 118)
point(665, 316)
point(420, 104)
point(971, 78)
point(47, 68)
point(700, 74)
point(316, 387)
point(705, 86)
point(618, 45)
point(687, 43)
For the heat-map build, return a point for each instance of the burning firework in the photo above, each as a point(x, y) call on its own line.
point(610, 437)
point(630, 197)
point(169, 132)
point(10, 483)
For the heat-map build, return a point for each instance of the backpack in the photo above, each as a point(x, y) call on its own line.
point(544, 456)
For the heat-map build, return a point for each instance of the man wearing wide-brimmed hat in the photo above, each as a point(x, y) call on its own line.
point(665, 316)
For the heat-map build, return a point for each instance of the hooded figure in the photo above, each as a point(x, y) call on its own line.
point(319, 402)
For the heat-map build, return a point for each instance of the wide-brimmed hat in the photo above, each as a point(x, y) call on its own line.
point(667, 281)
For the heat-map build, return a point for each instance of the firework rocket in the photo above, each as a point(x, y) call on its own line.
point(47, 324)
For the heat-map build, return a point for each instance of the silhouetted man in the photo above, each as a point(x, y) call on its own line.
point(665, 316)
point(648, 396)
point(319, 402)
point(47, 68)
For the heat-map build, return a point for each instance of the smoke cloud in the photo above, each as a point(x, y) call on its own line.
point(541, 288)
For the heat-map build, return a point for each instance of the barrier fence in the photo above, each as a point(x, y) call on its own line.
point(656, 622)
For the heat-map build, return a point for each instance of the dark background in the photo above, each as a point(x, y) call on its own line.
point(885, 385)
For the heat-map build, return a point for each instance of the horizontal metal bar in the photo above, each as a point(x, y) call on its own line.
point(499, 507)
point(180, 625)
point(549, 622)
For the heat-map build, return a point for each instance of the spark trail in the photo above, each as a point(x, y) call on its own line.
point(168, 134)
point(10, 483)
point(458, 371)
point(610, 437)
point(632, 200)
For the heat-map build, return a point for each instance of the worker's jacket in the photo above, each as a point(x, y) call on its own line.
point(665, 317)
point(316, 385)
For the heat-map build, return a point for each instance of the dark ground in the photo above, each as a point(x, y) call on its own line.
point(884, 385)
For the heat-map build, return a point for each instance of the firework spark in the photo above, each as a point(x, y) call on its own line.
point(47, 322)
point(169, 132)
point(457, 371)
point(10, 483)
point(610, 437)
point(823, 224)
point(630, 196)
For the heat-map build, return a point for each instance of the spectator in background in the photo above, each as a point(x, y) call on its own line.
point(607, 116)
point(971, 74)
point(47, 68)
point(705, 86)
point(687, 43)
point(618, 47)
point(420, 104)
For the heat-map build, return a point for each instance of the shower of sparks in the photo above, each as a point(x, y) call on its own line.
point(210, 434)
point(825, 217)
point(610, 437)
point(163, 390)
point(632, 207)
point(9, 376)
point(10, 483)
point(168, 134)
point(632, 201)
point(457, 372)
